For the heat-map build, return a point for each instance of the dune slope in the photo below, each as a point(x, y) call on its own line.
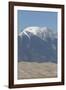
point(30, 70)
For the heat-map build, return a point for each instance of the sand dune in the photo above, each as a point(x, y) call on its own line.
point(30, 70)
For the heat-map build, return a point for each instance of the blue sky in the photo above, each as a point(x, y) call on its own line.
point(36, 18)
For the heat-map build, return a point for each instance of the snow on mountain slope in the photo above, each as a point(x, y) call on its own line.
point(42, 33)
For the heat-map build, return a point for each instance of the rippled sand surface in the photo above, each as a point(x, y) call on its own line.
point(30, 70)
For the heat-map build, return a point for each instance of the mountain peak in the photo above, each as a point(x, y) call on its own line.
point(33, 30)
point(41, 32)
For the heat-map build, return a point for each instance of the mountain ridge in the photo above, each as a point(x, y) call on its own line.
point(37, 44)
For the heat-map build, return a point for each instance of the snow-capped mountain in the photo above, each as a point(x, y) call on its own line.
point(42, 33)
point(37, 44)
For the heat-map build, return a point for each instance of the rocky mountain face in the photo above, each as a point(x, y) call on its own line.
point(37, 44)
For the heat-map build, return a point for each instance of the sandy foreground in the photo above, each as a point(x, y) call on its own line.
point(29, 70)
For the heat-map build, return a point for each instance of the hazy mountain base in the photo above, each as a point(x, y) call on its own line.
point(30, 70)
